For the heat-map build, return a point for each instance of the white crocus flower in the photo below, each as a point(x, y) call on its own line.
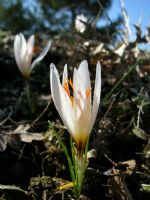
point(24, 50)
point(80, 23)
point(77, 110)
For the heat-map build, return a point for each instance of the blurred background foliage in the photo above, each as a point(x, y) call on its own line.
point(52, 16)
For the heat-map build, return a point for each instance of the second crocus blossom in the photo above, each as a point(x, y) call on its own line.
point(24, 50)
point(77, 109)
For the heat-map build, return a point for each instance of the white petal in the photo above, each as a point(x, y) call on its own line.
point(22, 46)
point(65, 75)
point(82, 122)
point(82, 105)
point(26, 65)
point(61, 101)
point(17, 50)
point(79, 92)
point(30, 44)
point(55, 86)
point(84, 74)
point(41, 56)
point(97, 93)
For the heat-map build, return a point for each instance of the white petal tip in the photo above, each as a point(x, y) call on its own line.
point(49, 43)
point(65, 66)
point(85, 62)
point(52, 66)
point(98, 63)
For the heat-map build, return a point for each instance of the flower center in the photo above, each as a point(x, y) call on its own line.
point(69, 85)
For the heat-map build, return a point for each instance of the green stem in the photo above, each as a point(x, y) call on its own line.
point(80, 174)
point(71, 167)
point(28, 96)
point(73, 154)
point(81, 164)
point(77, 164)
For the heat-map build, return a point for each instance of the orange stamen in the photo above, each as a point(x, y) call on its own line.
point(88, 92)
point(66, 88)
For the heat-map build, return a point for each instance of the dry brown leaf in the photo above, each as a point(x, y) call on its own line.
point(117, 185)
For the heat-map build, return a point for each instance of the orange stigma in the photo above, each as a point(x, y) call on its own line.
point(69, 83)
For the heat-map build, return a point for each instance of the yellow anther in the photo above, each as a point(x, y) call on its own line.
point(67, 186)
